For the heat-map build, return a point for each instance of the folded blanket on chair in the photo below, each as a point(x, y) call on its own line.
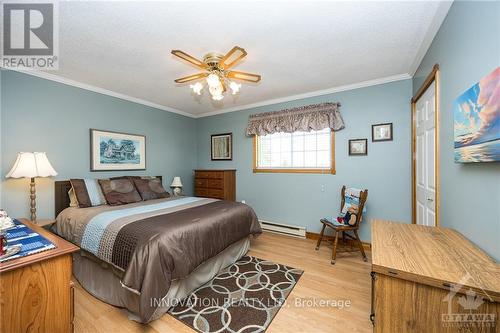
point(351, 198)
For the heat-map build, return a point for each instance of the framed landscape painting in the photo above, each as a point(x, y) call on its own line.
point(222, 147)
point(477, 121)
point(114, 151)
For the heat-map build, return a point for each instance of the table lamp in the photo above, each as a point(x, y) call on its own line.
point(177, 186)
point(31, 165)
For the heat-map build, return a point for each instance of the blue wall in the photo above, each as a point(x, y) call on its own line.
point(297, 198)
point(467, 47)
point(42, 115)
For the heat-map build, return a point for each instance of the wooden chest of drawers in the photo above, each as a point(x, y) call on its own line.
point(36, 290)
point(421, 276)
point(217, 184)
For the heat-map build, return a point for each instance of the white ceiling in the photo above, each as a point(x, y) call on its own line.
point(307, 48)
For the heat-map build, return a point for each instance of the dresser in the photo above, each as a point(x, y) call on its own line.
point(36, 291)
point(431, 279)
point(217, 184)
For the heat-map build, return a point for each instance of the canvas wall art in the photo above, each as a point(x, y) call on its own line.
point(477, 121)
point(113, 151)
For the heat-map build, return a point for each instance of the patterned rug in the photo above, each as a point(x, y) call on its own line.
point(243, 298)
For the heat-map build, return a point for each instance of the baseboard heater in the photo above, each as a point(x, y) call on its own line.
point(285, 229)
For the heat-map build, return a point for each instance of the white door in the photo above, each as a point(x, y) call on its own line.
point(425, 157)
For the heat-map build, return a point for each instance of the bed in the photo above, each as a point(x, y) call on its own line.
point(148, 255)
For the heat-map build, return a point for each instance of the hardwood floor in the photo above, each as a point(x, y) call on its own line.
point(349, 280)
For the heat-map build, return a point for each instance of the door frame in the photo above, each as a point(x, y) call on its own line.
point(432, 77)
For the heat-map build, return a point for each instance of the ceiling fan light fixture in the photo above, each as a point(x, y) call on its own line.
point(197, 88)
point(213, 80)
point(216, 92)
point(235, 87)
point(217, 72)
point(217, 97)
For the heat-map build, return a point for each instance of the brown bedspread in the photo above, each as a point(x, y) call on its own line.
point(157, 247)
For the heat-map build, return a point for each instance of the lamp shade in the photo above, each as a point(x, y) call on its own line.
point(176, 182)
point(31, 165)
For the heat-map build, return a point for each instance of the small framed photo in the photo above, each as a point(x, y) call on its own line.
point(382, 132)
point(222, 147)
point(358, 147)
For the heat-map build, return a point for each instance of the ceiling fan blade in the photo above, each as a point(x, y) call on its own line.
point(191, 78)
point(232, 57)
point(244, 76)
point(190, 59)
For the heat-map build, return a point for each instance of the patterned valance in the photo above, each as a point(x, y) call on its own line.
point(304, 118)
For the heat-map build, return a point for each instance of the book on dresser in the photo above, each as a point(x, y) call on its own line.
point(217, 184)
point(28, 241)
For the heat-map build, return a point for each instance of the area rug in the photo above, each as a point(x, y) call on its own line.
point(244, 297)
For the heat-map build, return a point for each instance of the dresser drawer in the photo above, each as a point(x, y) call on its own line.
point(200, 182)
point(216, 174)
point(202, 174)
point(217, 194)
point(201, 192)
point(216, 183)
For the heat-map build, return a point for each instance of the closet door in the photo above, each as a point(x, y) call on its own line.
point(425, 157)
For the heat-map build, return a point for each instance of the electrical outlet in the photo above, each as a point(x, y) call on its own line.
point(322, 188)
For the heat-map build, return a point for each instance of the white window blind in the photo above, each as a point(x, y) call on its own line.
point(298, 150)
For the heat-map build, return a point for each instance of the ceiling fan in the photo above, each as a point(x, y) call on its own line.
point(215, 68)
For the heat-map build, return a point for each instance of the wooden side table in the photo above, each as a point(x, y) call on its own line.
point(45, 222)
point(37, 292)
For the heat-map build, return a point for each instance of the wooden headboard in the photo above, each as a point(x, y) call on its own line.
point(61, 194)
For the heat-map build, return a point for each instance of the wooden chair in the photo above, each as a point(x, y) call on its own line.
point(345, 229)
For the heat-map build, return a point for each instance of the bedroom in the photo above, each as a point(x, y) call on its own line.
point(331, 100)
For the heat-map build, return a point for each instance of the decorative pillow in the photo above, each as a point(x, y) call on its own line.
point(73, 201)
point(125, 177)
point(150, 189)
point(119, 191)
point(88, 192)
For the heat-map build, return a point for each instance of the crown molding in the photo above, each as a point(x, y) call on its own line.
point(100, 90)
point(107, 92)
point(337, 89)
point(430, 34)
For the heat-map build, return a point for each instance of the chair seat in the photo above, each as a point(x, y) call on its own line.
point(336, 225)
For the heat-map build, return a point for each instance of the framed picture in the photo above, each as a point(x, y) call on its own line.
point(114, 151)
point(358, 147)
point(382, 132)
point(222, 147)
point(477, 121)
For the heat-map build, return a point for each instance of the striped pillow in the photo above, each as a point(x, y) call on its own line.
point(88, 192)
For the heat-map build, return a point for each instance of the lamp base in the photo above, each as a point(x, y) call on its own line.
point(33, 200)
point(177, 191)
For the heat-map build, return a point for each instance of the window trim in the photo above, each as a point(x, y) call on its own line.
point(330, 170)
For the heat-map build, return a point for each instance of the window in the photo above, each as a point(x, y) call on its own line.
point(300, 152)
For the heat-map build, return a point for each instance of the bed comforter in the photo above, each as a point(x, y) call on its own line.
point(155, 242)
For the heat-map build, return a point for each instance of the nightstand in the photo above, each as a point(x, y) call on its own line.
point(37, 292)
point(45, 222)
